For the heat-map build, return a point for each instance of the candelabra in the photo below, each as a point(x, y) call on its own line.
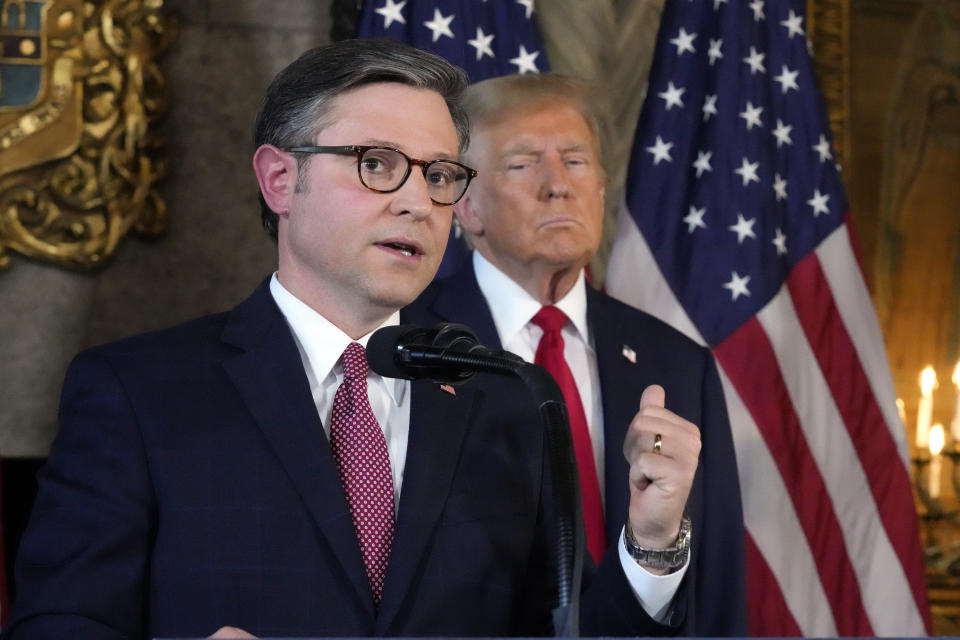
point(939, 516)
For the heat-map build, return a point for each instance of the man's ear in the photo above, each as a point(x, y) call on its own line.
point(467, 216)
point(277, 174)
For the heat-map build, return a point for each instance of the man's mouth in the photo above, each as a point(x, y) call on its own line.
point(402, 248)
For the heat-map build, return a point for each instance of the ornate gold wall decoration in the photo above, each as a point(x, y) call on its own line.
point(80, 93)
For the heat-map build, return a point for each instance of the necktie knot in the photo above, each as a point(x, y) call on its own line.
point(355, 362)
point(550, 319)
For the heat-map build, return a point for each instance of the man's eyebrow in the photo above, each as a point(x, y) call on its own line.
point(377, 142)
point(522, 149)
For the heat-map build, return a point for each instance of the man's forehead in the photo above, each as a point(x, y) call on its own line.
point(569, 122)
point(397, 115)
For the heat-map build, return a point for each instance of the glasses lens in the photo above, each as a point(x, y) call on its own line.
point(382, 169)
point(446, 181)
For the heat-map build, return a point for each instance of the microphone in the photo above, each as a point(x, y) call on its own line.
point(447, 353)
point(451, 353)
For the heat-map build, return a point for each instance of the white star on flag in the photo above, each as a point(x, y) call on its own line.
point(743, 228)
point(702, 163)
point(528, 7)
point(757, 7)
point(440, 25)
point(684, 42)
point(819, 203)
point(780, 187)
point(823, 148)
point(782, 133)
point(780, 242)
point(787, 79)
point(748, 171)
point(525, 61)
point(755, 60)
point(752, 116)
point(694, 219)
point(709, 107)
point(672, 96)
point(482, 44)
point(717, 3)
point(737, 286)
point(391, 13)
point(660, 151)
point(714, 52)
point(792, 23)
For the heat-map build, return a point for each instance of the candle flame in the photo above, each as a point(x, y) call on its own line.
point(928, 380)
point(936, 439)
point(902, 410)
point(956, 375)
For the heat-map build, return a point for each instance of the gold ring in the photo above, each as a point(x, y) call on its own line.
point(657, 443)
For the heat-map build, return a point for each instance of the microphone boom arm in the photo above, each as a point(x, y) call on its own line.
point(553, 413)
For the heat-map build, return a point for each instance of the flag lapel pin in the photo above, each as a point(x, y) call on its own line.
point(629, 354)
point(449, 389)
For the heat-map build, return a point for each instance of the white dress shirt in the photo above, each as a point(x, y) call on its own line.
point(513, 309)
point(321, 344)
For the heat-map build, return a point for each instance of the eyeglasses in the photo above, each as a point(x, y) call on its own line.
point(385, 170)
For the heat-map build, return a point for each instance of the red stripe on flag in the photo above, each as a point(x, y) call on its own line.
point(748, 359)
point(889, 484)
point(772, 618)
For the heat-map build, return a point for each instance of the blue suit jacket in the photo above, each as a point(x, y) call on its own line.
point(713, 594)
point(191, 486)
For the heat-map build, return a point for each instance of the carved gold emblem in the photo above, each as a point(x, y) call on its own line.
point(80, 94)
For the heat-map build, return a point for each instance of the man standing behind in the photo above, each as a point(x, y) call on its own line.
point(534, 216)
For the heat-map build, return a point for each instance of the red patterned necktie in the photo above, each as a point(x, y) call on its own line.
point(361, 453)
point(550, 356)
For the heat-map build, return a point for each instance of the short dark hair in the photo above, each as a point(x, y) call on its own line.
point(298, 101)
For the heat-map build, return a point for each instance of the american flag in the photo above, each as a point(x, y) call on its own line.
point(736, 230)
point(486, 39)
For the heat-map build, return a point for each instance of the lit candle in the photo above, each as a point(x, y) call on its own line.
point(928, 380)
point(902, 412)
point(955, 425)
point(936, 446)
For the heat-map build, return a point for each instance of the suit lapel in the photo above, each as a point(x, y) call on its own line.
point(438, 425)
point(269, 376)
point(619, 406)
point(460, 300)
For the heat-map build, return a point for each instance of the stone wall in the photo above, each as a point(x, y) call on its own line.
point(213, 253)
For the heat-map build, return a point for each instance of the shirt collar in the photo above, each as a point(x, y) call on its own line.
point(321, 341)
point(513, 308)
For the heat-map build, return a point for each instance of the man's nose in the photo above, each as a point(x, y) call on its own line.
point(413, 197)
point(555, 180)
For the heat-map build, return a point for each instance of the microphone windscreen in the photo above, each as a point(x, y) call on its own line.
point(382, 349)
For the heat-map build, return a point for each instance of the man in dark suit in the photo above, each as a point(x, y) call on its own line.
point(534, 216)
point(245, 472)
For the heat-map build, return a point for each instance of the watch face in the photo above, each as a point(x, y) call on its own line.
point(671, 558)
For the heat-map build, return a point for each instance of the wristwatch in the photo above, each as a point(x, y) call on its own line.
point(671, 558)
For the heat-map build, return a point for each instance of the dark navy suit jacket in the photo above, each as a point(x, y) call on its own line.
point(713, 593)
point(191, 486)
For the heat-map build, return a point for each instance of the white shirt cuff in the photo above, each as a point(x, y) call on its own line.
point(655, 593)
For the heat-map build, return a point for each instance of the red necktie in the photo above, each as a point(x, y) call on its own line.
point(550, 356)
point(360, 451)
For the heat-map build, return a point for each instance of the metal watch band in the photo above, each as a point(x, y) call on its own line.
point(670, 559)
